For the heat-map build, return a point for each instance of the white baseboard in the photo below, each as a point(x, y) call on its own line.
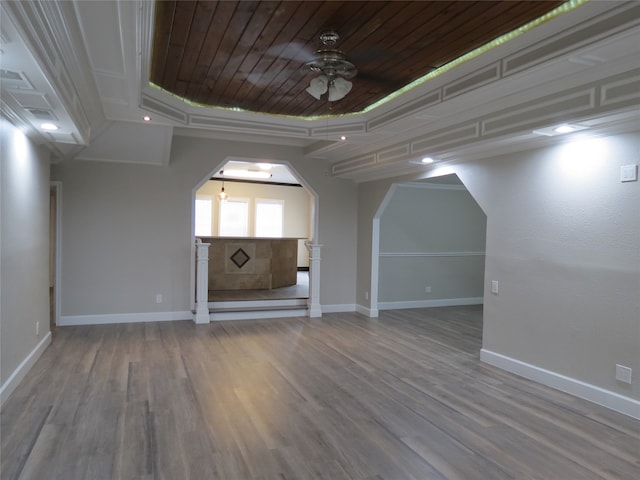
point(606, 398)
point(16, 377)
point(369, 312)
point(339, 308)
point(440, 302)
point(70, 320)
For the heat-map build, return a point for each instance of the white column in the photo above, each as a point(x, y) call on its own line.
point(202, 283)
point(315, 310)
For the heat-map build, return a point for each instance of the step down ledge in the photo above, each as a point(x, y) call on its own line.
point(257, 314)
point(259, 304)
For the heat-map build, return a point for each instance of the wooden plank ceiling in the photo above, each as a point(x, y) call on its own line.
point(252, 54)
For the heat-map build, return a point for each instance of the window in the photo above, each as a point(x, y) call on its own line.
point(203, 217)
point(234, 218)
point(269, 218)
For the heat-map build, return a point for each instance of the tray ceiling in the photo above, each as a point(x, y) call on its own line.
point(251, 55)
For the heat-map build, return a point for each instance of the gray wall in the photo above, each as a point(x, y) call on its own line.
point(431, 235)
point(127, 229)
point(24, 248)
point(371, 195)
point(563, 240)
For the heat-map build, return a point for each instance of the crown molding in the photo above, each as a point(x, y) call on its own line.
point(51, 33)
point(514, 103)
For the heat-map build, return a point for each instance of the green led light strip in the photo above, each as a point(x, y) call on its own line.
point(565, 7)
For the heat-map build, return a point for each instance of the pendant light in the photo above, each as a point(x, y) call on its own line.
point(222, 195)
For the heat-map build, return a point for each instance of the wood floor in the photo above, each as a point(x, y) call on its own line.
point(342, 397)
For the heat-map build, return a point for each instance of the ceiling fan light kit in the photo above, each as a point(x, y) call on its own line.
point(318, 86)
point(334, 68)
point(339, 89)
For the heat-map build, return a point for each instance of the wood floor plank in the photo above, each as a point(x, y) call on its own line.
point(403, 396)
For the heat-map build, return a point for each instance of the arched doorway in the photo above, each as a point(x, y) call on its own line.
point(278, 205)
point(428, 246)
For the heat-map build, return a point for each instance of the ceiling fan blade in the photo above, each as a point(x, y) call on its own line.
point(377, 79)
point(296, 51)
point(257, 79)
point(371, 54)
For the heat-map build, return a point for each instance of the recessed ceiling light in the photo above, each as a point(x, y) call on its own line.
point(564, 129)
point(49, 126)
point(559, 129)
point(427, 160)
point(146, 118)
point(343, 138)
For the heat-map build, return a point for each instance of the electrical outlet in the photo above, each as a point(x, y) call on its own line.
point(623, 373)
point(158, 298)
point(427, 289)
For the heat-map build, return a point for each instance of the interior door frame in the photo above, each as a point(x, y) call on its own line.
point(56, 188)
point(314, 214)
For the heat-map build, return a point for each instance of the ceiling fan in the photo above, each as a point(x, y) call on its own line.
point(334, 69)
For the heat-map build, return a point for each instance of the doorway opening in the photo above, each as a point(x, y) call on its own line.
point(277, 209)
point(429, 246)
point(54, 252)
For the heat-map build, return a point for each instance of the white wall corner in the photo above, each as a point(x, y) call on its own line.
point(593, 393)
point(16, 377)
point(201, 318)
point(369, 312)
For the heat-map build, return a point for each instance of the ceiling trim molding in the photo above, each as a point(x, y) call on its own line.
point(434, 186)
point(231, 125)
point(51, 32)
point(17, 119)
point(408, 109)
point(623, 18)
point(621, 91)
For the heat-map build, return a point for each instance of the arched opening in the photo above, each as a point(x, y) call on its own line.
point(259, 263)
point(428, 246)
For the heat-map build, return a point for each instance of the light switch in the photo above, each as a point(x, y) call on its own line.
point(623, 373)
point(494, 286)
point(629, 173)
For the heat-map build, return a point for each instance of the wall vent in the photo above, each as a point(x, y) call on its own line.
point(13, 79)
point(41, 114)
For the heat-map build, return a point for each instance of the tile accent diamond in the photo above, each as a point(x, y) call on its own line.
point(240, 258)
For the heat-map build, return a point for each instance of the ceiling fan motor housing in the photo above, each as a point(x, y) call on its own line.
point(331, 61)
